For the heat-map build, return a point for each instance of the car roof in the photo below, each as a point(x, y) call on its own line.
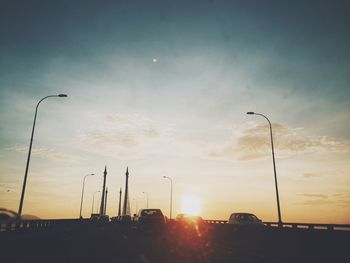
point(243, 214)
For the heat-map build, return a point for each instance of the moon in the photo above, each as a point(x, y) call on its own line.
point(154, 60)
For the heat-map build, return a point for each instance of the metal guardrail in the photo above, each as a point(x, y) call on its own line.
point(216, 221)
point(306, 226)
point(24, 225)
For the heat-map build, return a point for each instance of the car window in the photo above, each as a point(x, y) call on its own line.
point(254, 218)
point(151, 213)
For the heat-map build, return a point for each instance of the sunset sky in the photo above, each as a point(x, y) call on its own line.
point(163, 87)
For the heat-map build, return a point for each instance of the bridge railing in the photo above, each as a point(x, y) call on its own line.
point(36, 224)
point(312, 226)
point(306, 226)
point(49, 223)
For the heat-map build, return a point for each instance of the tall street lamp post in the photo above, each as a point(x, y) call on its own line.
point(146, 197)
point(274, 166)
point(82, 194)
point(30, 150)
point(171, 195)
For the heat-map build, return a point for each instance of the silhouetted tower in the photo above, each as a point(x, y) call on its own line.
point(120, 202)
point(105, 208)
point(103, 192)
point(126, 194)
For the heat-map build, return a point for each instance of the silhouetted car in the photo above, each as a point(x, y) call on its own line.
point(94, 217)
point(103, 219)
point(125, 219)
point(7, 219)
point(244, 219)
point(150, 218)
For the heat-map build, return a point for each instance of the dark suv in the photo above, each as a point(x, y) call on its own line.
point(150, 218)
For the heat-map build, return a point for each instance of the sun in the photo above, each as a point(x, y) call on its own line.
point(191, 205)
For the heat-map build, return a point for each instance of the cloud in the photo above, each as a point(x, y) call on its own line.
point(253, 142)
point(45, 153)
point(323, 196)
point(316, 202)
point(323, 199)
point(127, 133)
point(311, 175)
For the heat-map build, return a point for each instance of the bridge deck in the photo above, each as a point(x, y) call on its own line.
point(175, 243)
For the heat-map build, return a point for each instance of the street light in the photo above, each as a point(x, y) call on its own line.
point(82, 194)
point(30, 150)
point(135, 205)
point(274, 166)
point(171, 194)
point(146, 197)
point(93, 201)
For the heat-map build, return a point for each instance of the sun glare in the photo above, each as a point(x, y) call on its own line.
point(191, 205)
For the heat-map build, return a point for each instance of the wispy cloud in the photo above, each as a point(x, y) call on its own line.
point(126, 130)
point(45, 153)
point(317, 195)
point(311, 175)
point(253, 142)
point(323, 199)
point(316, 202)
point(128, 133)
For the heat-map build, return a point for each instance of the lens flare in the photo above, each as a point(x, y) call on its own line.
point(191, 205)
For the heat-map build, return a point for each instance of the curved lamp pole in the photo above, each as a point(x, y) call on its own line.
point(274, 166)
point(93, 201)
point(171, 194)
point(82, 194)
point(30, 150)
point(146, 197)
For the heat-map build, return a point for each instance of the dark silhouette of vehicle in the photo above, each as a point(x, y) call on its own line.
point(150, 218)
point(94, 218)
point(245, 219)
point(97, 218)
point(103, 219)
point(124, 219)
point(8, 216)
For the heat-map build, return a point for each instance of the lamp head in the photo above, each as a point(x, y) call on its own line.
point(62, 95)
point(250, 112)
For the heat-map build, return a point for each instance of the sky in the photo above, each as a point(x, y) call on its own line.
point(163, 87)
